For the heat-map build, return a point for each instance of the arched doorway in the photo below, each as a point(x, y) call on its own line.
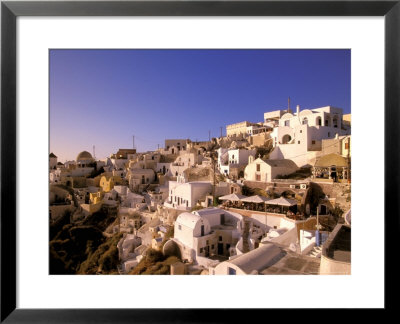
point(171, 248)
point(286, 139)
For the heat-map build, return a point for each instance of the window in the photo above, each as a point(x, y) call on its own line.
point(335, 122)
point(298, 142)
point(220, 238)
point(258, 177)
point(313, 142)
point(301, 131)
point(329, 134)
point(287, 122)
point(305, 121)
point(231, 271)
point(179, 227)
point(258, 167)
point(212, 247)
point(207, 242)
point(201, 250)
point(346, 146)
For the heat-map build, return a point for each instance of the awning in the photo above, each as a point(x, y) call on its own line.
point(256, 199)
point(232, 197)
point(282, 201)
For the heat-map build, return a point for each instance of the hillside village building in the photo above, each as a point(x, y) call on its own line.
point(145, 161)
point(179, 144)
point(340, 145)
point(84, 159)
point(52, 161)
point(204, 233)
point(266, 170)
point(239, 128)
point(107, 183)
point(125, 154)
point(299, 136)
point(228, 158)
point(185, 196)
point(119, 160)
point(138, 177)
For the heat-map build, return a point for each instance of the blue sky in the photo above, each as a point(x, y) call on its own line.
point(103, 97)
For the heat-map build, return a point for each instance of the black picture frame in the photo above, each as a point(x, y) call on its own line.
point(10, 10)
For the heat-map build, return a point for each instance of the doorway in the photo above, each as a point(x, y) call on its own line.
point(220, 248)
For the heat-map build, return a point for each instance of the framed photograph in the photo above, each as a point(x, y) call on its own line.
point(196, 138)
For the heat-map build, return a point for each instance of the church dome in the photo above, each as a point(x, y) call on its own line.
point(85, 155)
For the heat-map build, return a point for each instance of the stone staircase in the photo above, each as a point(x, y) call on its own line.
point(315, 252)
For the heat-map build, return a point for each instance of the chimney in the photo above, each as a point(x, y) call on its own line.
point(297, 110)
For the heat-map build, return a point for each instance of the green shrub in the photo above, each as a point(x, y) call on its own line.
point(154, 263)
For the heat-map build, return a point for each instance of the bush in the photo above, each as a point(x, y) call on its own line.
point(263, 151)
point(104, 256)
point(154, 263)
point(337, 212)
point(247, 191)
point(299, 174)
point(153, 256)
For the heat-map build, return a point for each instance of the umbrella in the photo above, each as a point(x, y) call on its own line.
point(256, 199)
point(232, 197)
point(281, 201)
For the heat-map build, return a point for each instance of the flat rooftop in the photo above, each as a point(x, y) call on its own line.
point(291, 263)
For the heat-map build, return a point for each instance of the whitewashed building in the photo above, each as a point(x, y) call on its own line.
point(206, 232)
point(185, 196)
point(228, 158)
point(299, 135)
point(266, 170)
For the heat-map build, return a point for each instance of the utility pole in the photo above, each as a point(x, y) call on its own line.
point(213, 162)
point(348, 160)
point(209, 135)
point(221, 131)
